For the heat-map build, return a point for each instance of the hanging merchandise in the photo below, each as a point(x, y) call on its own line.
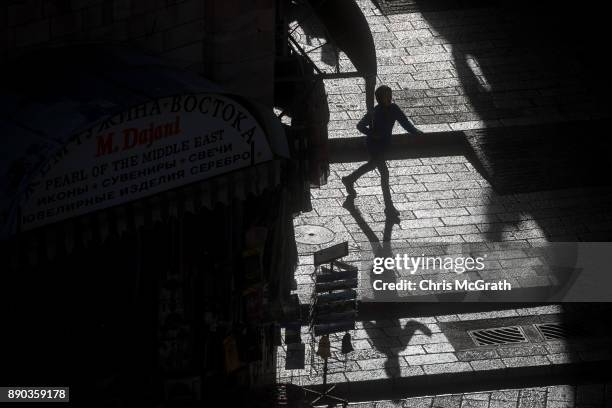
point(232, 360)
point(180, 389)
point(324, 350)
point(277, 339)
point(253, 303)
point(347, 347)
point(249, 345)
point(255, 242)
point(255, 237)
point(175, 335)
point(291, 308)
point(252, 275)
point(293, 333)
point(296, 356)
point(210, 319)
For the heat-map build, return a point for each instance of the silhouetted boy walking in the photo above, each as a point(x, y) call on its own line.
point(377, 125)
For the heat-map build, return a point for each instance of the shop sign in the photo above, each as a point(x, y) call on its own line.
point(154, 147)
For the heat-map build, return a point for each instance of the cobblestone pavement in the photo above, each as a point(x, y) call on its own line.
point(442, 200)
point(558, 396)
point(445, 200)
point(454, 70)
point(423, 346)
point(463, 69)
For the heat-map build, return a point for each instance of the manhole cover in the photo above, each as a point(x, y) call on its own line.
point(313, 234)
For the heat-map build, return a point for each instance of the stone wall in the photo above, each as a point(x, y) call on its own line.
point(231, 42)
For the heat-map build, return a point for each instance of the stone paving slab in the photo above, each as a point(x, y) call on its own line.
point(454, 71)
point(464, 69)
point(514, 159)
point(422, 346)
point(442, 213)
point(555, 396)
point(408, 348)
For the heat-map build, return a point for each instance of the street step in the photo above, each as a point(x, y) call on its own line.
point(465, 382)
point(374, 310)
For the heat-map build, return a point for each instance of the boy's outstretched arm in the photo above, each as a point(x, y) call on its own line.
point(364, 125)
point(406, 124)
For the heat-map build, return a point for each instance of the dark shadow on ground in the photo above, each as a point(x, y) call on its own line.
point(530, 75)
point(339, 26)
point(385, 325)
point(524, 66)
point(531, 68)
point(315, 32)
point(548, 70)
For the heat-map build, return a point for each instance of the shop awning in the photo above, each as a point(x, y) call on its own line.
point(98, 139)
point(97, 226)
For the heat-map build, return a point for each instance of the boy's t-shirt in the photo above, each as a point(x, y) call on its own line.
point(378, 132)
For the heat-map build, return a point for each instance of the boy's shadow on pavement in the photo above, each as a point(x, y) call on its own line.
point(387, 336)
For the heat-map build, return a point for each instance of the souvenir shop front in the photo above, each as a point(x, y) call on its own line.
point(147, 236)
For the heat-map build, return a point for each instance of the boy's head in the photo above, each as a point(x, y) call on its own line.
point(383, 95)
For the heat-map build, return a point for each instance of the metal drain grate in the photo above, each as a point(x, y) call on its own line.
point(498, 335)
point(553, 331)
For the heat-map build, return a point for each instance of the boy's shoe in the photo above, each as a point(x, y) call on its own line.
point(349, 203)
point(392, 214)
point(348, 183)
point(391, 210)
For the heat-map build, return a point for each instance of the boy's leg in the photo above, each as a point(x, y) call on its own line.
point(384, 182)
point(386, 189)
point(361, 170)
